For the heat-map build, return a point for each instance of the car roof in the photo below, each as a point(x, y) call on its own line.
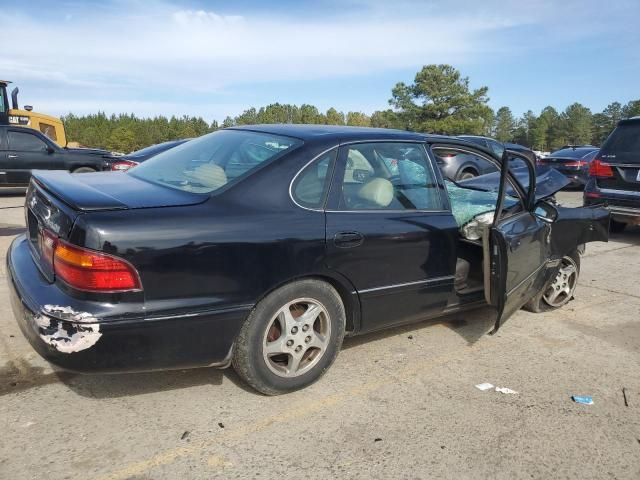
point(336, 132)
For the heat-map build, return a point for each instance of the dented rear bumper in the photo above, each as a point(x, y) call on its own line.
point(70, 334)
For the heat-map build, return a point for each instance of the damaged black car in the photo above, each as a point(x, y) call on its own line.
point(263, 246)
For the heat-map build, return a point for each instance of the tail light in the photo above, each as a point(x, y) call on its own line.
point(600, 169)
point(122, 165)
point(85, 269)
point(578, 163)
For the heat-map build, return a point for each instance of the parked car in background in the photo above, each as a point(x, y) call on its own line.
point(23, 150)
point(573, 162)
point(262, 246)
point(125, 162)
point(614, 175)
point(464, 166)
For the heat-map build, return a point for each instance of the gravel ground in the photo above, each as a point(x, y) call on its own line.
point(398, 404)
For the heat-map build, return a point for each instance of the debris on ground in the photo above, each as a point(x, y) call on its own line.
point(410, 337)
point(484, 386)
point(583, 399)
point(185, 435)
point(378, 439)
point(506, 390)
point(624, 394)
point(221, 425)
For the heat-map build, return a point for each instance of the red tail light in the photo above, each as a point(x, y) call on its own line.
point(85, 269)
point(578, 163)
point(600, 169)
point(122, 165)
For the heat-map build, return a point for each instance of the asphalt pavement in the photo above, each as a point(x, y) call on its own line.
point(400, 404)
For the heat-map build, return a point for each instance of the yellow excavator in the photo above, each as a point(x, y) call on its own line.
point(52, 127)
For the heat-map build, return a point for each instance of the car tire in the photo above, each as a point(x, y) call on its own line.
point(466, 175)
point(617, 227)
point(84, 170)
point(563, 285)
point(277, 353)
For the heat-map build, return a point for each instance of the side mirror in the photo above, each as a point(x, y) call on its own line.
point(49, 149)
point(545, 211)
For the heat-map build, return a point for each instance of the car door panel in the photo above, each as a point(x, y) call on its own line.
point(3, 157)
point(27, 151)
point(516, 249)
point(402, 265)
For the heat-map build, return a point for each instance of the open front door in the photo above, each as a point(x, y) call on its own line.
point(516, 247)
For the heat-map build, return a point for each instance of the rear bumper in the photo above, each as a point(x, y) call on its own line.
point(623, 205)
point(76, 340)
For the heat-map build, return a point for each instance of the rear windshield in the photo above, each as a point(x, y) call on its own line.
point(574, 153)
point(624, 143)
point(208, 163)
point(159, 147)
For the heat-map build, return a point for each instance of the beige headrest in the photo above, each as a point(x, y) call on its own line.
point(378, 191)
point(210, 175)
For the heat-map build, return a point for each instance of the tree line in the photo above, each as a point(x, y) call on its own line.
point(439, 100)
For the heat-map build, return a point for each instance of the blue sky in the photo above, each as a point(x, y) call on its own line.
point(217, 58)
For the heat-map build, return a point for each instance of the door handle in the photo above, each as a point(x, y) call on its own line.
point(348, 239)
point(11, 156)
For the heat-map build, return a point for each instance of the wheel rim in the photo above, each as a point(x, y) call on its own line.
point(466, 176)
point(560, 291)
point(296, 338)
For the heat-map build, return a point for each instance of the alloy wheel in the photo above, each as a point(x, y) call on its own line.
point(561, 290)
point(296, 337)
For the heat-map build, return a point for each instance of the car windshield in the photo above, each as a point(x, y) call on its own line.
point(210, 162)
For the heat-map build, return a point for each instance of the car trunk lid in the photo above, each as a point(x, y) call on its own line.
point(55, 199)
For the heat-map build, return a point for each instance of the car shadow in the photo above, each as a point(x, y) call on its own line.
point(629, 236)
point(17, 376)
point(471, 325)
point(13, 192)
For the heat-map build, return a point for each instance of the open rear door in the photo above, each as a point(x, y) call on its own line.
point(516, 248)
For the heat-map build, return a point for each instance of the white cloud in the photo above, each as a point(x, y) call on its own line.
point(150, 50)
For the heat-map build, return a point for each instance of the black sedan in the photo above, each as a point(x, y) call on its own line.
point(24, 149)
point(263, 246)
point(573, 162)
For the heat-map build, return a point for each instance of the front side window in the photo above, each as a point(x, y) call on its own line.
point(388, 176)
point(49, 131)
point(25, 142)
point(311, 186)
point(479, 195)
point(210, 162)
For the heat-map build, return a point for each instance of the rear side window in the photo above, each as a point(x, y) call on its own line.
point(210, 162)
point(624, 143)
point(25, 142)
point(311, 187)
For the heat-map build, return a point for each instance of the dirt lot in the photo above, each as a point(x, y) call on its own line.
point(401, 404)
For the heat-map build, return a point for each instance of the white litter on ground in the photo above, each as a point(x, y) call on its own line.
point(484, 386)
point(506, 390)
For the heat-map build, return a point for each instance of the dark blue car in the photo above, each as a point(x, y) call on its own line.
point(573, 162)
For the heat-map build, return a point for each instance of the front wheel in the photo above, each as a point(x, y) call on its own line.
point(291, 337)
point(559, 291)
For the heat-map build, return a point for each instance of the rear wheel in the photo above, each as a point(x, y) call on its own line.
point(84, 170)
point(291, 337)
point(617, 227)
point(559, 291)
point(467, 174)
